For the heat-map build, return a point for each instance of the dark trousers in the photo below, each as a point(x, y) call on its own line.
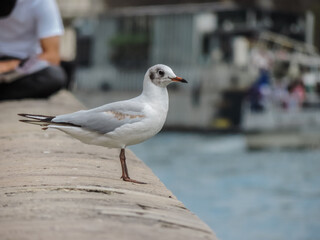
point(37, 85)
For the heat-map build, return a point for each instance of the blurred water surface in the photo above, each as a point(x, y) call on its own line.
point(271, 195)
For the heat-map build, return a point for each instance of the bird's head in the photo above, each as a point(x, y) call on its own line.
point(162, 75)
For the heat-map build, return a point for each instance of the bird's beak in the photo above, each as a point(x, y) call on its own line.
point(179, 79)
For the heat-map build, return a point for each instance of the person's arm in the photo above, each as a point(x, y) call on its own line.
point(50, 53)
point(50, 50)
point(8, 65)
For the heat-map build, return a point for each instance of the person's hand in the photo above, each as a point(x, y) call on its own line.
point(9, 65)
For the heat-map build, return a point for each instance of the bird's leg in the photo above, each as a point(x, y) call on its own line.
point(125, 174)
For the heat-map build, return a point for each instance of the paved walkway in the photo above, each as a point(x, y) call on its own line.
point(55, 187)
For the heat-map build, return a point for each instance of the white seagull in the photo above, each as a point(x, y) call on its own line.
point(119, 124)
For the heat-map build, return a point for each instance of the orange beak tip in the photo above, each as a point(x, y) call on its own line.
point(179, 79)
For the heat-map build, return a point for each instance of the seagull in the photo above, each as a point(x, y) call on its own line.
point(118, 124)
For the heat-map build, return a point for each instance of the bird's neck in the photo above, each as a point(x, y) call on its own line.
point(155, 94)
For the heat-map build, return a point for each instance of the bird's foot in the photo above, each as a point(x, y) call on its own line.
point(127, 179)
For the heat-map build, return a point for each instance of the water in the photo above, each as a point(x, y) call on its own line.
point(271, 195)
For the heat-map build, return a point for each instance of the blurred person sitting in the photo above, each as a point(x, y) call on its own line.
point(29, 42)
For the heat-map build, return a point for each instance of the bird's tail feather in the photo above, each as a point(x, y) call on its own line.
point(41, 120)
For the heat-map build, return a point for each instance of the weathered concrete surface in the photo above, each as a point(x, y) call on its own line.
point(54, 187)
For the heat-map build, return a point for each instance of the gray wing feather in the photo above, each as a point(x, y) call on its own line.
point(106, 118)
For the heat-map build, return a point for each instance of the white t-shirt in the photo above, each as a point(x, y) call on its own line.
point(30, 21)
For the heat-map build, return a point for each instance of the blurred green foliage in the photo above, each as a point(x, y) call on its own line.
point(122, 40)
point(129, 50)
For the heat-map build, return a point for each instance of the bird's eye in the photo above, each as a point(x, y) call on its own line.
point(161, 73)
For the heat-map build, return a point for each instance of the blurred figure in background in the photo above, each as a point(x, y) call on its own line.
point(261, 59)
point(297, 94)
point(29, 49)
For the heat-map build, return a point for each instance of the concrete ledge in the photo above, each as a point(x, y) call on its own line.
point(54, 187)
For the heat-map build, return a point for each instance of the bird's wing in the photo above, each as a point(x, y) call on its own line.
point(106, 118)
